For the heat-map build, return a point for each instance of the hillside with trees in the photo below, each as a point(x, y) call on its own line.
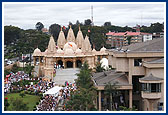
point(18, 41)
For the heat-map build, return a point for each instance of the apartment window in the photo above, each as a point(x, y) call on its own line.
point(151, 87)
point(137, 62)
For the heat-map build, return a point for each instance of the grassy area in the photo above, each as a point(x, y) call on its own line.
point(30, 99)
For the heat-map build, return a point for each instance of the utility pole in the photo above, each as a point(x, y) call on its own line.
point(92, 14)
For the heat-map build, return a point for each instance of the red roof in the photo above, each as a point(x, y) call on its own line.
point(126, 33)
point(119, 34)
point(110, 33)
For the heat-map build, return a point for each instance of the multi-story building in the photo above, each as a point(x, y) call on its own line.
point(139, 71)
point(120, 39)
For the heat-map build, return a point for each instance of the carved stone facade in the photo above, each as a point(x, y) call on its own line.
point(69, 53)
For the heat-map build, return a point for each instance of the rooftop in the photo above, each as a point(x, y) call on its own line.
point(157, 61)
point(127, 33)
point(102, 78)
point(150, 78)
point(156, 45)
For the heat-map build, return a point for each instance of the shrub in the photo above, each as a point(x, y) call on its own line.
point(26, 92)
point(37, 103)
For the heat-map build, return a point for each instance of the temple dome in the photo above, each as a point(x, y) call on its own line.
point(103, 49)
point(78, 51)
point(59, 51)
point(70, 45)
point(69, 52)
point(36, 52)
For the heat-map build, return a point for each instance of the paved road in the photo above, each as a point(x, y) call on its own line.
point(63, 75)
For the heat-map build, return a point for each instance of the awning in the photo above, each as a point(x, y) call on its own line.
point(151, 79)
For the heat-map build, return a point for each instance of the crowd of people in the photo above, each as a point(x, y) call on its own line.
point(58, 102)
point(48, 102)
point(41, 86)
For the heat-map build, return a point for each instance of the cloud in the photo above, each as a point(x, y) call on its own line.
point(27, 15)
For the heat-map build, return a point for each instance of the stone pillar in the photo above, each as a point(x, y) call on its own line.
point(131, 64)
point(96, 101)
point(39, 60)
point(130, 98)
point(74, 63)
point(99, 100)
point(64, 63)
point(151, 104)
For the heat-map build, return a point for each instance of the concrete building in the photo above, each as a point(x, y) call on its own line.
point(119, 39)
point(69, 53)
point(139, 71)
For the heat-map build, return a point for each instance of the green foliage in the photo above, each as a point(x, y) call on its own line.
point(22, 94)
point(99, 67)
point(28, 69)
point(39, 26)
point(18, 104)
point(11, 34)
point(54, 30)
point(82, 99)
point(122, 108)
point(129, 39)
point(154, 27)
point(88, 22)
point(20, 41)
point(111, 91)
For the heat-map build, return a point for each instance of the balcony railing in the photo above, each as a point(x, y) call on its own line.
point(151, 95)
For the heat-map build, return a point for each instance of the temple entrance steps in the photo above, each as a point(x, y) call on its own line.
point(63, 75)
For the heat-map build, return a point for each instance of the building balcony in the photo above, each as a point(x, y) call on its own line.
point(151, 95)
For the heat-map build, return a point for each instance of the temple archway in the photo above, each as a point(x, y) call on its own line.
point(78, 63)
point(69, 64)
point(60, 62)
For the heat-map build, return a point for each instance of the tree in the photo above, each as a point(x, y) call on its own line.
point(39, 26)
point(107, 24)
point(11, 34)
point(28, 69)
point(82, 99)
point(54, 30)
point(129, 39)
point(18, 104)
point(110, 91)
point(99, 67)
point(88, 22)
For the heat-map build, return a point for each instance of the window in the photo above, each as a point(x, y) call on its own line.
point(151, 87)
point(137, 62)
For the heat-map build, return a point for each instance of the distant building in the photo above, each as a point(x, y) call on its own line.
point(158, 35)
point(119, 39)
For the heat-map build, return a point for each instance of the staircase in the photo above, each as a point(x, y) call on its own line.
point(63, 75)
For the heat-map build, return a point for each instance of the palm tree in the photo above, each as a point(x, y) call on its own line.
point(111, 90)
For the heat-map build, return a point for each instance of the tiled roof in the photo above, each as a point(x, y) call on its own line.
point(102, 78)
point(150, 78)
point(157, 61)
point(156, 45)
point(110, 33)
point(127, 33)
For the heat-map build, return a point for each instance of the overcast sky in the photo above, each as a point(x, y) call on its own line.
point(26, 16)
